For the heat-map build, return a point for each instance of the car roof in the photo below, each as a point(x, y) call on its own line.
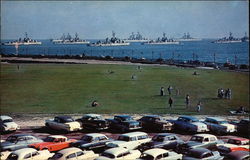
point(95, 134)
point(165, 134)
point(116, 151)
point(199, 150)
point(189, 117)
point(24, 150)
point(204, 135)
point(64, 117)
point(91, 115)
point(154, 116)
point(133, 134)
point(124, 116)
point(70, 150)
point(155, 151)
point(57, 136)
point(4, 117)
point(216, 118)
point(21, 135)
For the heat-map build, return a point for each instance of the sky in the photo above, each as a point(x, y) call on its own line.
point(97, 19)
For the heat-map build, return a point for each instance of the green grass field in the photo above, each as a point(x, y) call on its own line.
point(61, 88)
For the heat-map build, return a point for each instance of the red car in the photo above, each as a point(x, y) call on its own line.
point(234, 144)
point(53, 143)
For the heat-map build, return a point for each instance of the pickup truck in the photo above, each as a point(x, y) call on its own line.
point(208, 141)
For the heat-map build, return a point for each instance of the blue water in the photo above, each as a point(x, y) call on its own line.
point(199, 50)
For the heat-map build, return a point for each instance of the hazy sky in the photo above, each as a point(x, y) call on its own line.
point(97, 19)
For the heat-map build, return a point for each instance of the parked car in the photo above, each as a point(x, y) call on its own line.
point(74, 153)
point(160, 154)
point(167, 141)
point(93, 121)
point(155, 123)
point(7, 124)
point(237, 155)
point(130, 140)
point(202, 154)
point(30, 154)
point(124, 123)
point(243, 127)
point(219, 125)
point(234, 144)
point(53, 143)
point(199, 140)
point(4, 155)
point(189, 124)
point(119, 153)
point(92, 141)
point(64, 123)
point(18, 141)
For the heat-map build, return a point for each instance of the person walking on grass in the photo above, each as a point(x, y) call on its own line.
point(187, 100)
point(198, 108)
point(169, 89)
point(170, 102)
point(162, 91)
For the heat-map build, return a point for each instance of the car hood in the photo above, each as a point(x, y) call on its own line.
point(42, 144)
point(102, 158)
point(11, 125)
point(199, 124)
point(191, 144)
point(116, 144)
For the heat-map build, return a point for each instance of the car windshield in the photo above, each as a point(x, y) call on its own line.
point(65, 120)
point(128, 118)
point(57, 155)
point(7, 120)
point(147, 157)
point(222, 122)
point(87, 138)
point(197, 139)
point(232, 141)
point(49, 139)
point(98, 118)
point(158, 138)
point(11, 139)
point(12, 156)
point(123, 138)
point(108, 155)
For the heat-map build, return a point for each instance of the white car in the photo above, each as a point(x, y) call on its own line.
point(4, 155)
point(130, 140)
point(160, 154)
point(30, 154)
point(74, 153)
point(219, 125)
point(7, 124)
point(119, 153)
point(65, 123)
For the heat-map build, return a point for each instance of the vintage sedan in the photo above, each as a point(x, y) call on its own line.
point(237, 155)
point(163, 140)
point(243, 127)
point(234, 144)
point(124, 123)
point(30, 154)
point(119, 153)
point(74, 153)
point(199, 140)
point(202, 154)
point(160, 154)
point(189, 124)
point(53, 143)
point(155, 123)
point(92, 141)
point(219, 125)
point(130, 140)
point(93, 121)
point(7, 124)
point(18, 141)
point(64, 123)
point(4, 155)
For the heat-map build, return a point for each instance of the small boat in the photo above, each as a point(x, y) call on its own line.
point(110, 42)
point(69, 40)
point(24, 41)
point(162, 41)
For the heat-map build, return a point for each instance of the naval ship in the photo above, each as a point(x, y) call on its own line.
point(245, 38)
point(114, 41)
point(162, 41)
point(24, 41)
point(69, 40)
point(187, 37)
point(136, 38)
point(230, 39)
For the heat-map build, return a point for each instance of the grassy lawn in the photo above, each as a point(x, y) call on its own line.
point(61, 88)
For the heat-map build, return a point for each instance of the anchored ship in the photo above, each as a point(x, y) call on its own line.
point(230, 39)
point(24, 41)
point(136, 38)
point(245, 38)
point(69, 40)
point(114, 41)
point(162, 41)
point(187, 37)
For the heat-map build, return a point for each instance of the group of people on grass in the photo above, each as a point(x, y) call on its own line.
point(227, 94)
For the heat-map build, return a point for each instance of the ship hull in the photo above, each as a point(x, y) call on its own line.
point(134, 41)
point(109, 44)
point(58, 42)
point(227, 41)
point(191, 39)
point(22, 43)
point(161, 43)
